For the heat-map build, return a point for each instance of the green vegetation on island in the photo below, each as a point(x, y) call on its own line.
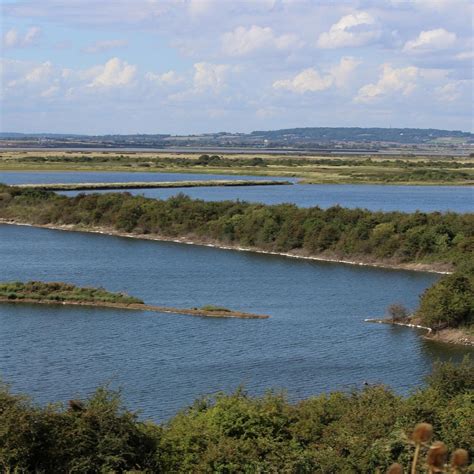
point(446, 309)
point(449, 302)
point(446, 239)
point(442, 240)
point(62, 292)
point(359, 431)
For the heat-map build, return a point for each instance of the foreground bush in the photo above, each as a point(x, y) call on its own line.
point(338, 432)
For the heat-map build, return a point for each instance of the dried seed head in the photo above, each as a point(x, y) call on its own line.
point(422, 433)
point(459, 458)
point(395, 469)
point(437, 456)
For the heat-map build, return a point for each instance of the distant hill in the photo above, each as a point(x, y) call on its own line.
point(356, 134)
point(311, 138)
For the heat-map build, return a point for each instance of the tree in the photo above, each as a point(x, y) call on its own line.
point(398, 312)
point(448, 303)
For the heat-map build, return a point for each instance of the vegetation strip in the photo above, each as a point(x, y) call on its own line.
point(36, 292)
point(362, 430)
point(151, 185)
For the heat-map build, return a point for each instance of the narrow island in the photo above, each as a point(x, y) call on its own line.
point(38, 292)
point(154, 184)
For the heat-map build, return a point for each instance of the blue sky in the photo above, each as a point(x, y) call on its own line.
point(193, 66)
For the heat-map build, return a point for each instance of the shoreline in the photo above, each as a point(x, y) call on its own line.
point(448, 336)
point(140, 307)
point(419, 267)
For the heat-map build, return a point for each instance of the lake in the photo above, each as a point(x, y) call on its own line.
point(315, 340)
point(373, 197)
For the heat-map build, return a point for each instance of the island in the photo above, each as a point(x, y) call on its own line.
point(38, 292)
point(153, 184)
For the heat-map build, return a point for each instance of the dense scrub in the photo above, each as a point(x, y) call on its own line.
point(400, 237)
point(57, 291)
point(335, 432)
point(449, 302)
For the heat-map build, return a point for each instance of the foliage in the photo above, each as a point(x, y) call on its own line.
point(399, 237)
point(57, 291)
point(211, 307)
point(398, 312)
point(449, 302)
point(336, 432)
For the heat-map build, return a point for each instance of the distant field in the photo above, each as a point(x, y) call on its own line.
point(311, 169)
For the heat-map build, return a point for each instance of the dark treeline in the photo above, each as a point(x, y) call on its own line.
point(445, 239)
point(356, 432)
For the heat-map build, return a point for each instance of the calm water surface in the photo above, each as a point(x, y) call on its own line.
point(314, 341)
point(374, 197)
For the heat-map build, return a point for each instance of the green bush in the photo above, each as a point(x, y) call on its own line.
point(360, 431)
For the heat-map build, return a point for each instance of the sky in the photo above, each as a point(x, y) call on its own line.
point(196, 66)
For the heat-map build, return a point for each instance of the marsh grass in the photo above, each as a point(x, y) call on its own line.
point(59, 292)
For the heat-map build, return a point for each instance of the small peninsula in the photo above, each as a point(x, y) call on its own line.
point(446, 310)
point(37, 292)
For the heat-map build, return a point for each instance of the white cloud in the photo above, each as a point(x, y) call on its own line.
point(356, 29)
point(450, 92)
point(342, 72)
point(105, 45)
point(169, 78)
point(199, 7)
point(243, 40)
point(13, 39)
point(431, 40)
point(114, 73)
point(208, 76)
point(37, 74)
point(50, 91)
point(465, 56)
point(308, 80)
point(268, 112)
point(311, 80)
point(402, 80)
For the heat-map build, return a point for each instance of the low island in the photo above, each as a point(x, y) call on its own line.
point(37, 292)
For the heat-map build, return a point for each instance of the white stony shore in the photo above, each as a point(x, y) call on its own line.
point(420, 267)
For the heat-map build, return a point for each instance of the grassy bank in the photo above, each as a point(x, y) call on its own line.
point(311, 168)
point(59, 292)
point(361, 431)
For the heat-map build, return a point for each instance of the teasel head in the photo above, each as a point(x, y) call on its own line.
point(422, 433)
point(395, 468)
point(437, 456)
point(459, 459)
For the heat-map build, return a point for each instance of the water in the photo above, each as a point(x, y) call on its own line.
point(315, 340)
point(373, 197)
